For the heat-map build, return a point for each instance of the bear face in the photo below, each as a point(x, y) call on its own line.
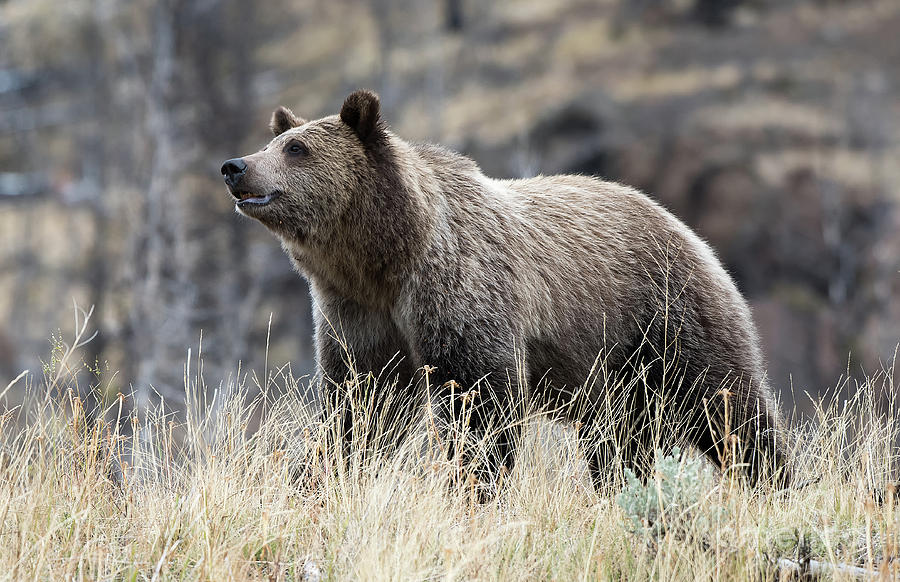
point(309, 175)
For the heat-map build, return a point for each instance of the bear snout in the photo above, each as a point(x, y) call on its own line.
point(233, 170)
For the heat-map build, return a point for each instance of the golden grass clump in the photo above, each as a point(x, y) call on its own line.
point(241, 487)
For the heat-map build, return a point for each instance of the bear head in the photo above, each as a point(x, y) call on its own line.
point(303, 182)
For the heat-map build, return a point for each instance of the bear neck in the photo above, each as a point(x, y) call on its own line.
point(381, 237)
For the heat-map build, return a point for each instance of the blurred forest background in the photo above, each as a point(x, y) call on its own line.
point(770, 126)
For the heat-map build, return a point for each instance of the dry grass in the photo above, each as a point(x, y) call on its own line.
point(237, 491)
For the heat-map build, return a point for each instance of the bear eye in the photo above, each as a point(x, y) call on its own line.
point(295, 148)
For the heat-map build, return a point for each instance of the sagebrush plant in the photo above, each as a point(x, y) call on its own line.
point(242, 485)
point(674, 499)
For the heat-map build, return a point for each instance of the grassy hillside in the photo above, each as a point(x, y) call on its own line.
point(242, 490)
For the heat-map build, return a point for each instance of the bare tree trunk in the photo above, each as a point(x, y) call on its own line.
point(94, 170)
point(158, 318)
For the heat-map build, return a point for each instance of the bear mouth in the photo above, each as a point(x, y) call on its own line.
point(244, 198)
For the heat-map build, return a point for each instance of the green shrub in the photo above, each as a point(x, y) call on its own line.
point(674, 499)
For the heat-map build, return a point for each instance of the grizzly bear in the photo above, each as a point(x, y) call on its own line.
point(575, 294)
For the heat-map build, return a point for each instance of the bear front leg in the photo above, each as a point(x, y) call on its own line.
point(365, 375)
point(331, 376)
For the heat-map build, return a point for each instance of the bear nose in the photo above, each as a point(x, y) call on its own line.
point(233, 170)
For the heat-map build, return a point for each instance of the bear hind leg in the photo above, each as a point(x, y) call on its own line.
point(744, 435)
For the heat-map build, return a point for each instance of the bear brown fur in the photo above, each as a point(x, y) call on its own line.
point(416, 259)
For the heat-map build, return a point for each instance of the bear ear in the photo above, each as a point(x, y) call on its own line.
point(361, 112)
point(284, 119)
